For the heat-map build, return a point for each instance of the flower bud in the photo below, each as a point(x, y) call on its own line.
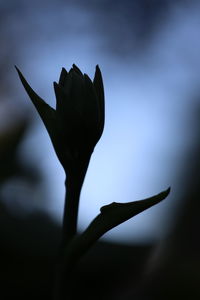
point(77, 123)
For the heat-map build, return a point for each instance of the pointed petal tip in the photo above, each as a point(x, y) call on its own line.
point(63, 72)
point(87, 79)
point(97, 75)
point(86, 76)
point(55, 85)
point(63, 69)
point(77, 70)
point(63, 76)
point(98, 69)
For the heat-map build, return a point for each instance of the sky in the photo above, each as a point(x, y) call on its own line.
point(149, 58)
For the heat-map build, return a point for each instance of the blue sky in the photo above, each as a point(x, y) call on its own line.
point(152, 94)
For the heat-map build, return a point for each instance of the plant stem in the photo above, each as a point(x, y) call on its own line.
point(73, 184)
point(69, 230)
point(70, 215)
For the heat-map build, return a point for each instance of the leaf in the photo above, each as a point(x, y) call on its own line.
point(46, 112)
point(111, 215)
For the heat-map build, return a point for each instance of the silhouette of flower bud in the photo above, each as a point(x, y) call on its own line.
point(77, 123)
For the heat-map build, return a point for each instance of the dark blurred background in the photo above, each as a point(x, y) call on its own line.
point(148, 52)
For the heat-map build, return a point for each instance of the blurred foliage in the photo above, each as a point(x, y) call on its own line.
point(9, 143)
point(169, 270)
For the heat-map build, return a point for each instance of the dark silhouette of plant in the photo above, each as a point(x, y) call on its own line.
point(75, 127)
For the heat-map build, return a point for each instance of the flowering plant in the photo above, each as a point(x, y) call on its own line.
point(75, 126)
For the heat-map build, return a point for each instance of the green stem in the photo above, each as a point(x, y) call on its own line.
point(69, 230)
point(73, 185)
point(70, 215)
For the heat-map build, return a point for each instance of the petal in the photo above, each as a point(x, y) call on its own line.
point(63, 76)
point(62, 99)
point(76, 91)
point(60, 96)
point(91, 108)
point(69, 117)
point(98, 85)
point(67, 83)
point(46, 112)
point(77, 70)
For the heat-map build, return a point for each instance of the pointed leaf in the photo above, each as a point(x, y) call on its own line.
point(111, 215)
point(46, 112)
